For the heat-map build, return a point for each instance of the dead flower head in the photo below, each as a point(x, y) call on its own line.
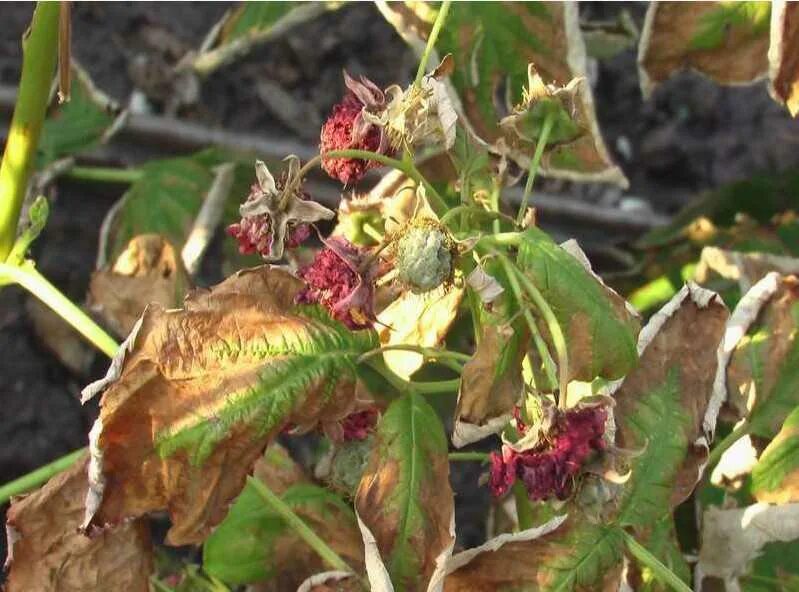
point(276, 214)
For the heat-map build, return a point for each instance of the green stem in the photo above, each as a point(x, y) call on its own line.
point(39, 50)
point(474, 210)
point(104, 174)
point(731, 438)
point(29, 278)
point(540, 344)
point(539, 151)
point(328, 555)
point(436, 201)
point(428, 352)
point(436, 386)
point(468, 456)
point(555, 331)
point(524, 511)
point(663, 573)
point(41, 475)
point(503, 239)
point(431, 42)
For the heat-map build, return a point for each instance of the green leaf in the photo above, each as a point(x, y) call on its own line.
point(168, 197)
point(404, 497)
point(775, 477)
point(662, 543)
point(600, 331)
point(250, 544)
point(493, 43)
point(712, 27)
point(37, 217)
point(79, 124)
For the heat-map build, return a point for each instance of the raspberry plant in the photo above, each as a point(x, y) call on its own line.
point(592, 425)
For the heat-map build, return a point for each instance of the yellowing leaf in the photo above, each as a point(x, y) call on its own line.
point(148, 270)
point(783, 55)
point(197, 394)
point(404, 501)
point(48, 553)
point(726, 41)
point(417, 319)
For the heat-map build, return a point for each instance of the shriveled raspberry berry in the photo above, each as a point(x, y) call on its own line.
point(347, 129)
point(424, 252)
point(549, 470)
point(336, 281)
point(358, 425)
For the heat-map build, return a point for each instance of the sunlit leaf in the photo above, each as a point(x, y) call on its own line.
point(48, 553)
point(775, 477)
point(727, 41)
point(599, 328)
point(493, 43)
point(253, 543)
point(763, 372)
point(783, 64)
point(732, 538)
point(148, 270)
point(189, 408)
point(404, 501)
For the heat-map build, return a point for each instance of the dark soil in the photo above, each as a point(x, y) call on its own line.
point(690, 137)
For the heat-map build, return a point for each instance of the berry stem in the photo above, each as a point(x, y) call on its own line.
point(482, 457)
point(539, 151)
point(436, 201)
point(431, 42)
point(555, 331)
point(104, 174)
point(428, 352)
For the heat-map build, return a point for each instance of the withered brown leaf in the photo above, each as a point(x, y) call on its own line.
point(48, 553)
point(148, 270)
point(197, 394)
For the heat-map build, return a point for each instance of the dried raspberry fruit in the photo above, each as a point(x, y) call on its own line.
point(549, 469)
point(336, 280)
point(348, 129)
point(358, 425)
point(276, 214)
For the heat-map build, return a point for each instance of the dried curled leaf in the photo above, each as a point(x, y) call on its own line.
point(726, 41)
point(189, 408)
point(148, 270)
point(746, 268)
point(783, 54)
point(404, 501)
point(762, 378)
point(491, 68)
point(254, 545)
point(732, 539)
point(491, 384)
point(47, 552)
